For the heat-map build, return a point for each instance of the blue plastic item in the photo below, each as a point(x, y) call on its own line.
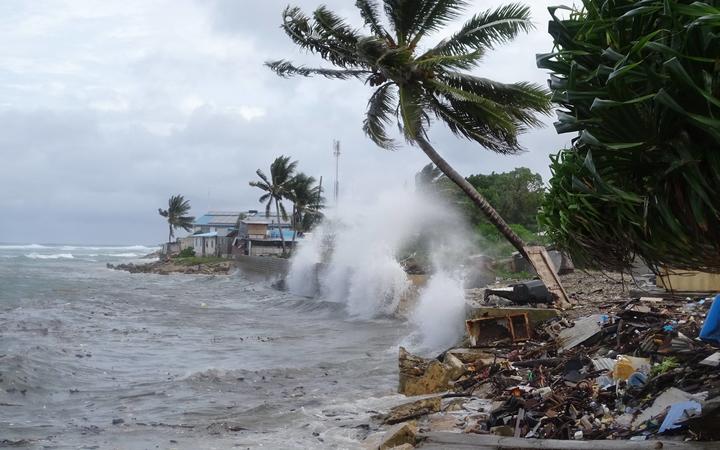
point(676, 413)
point(711, 328)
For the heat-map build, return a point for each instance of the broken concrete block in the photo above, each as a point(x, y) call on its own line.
point(397, 435)
point(457, 368)
point(413, 410)
point(419, 376)
point(443, 423)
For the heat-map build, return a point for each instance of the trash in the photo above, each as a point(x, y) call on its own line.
point(637, 380)
point(523, 293)
point(584, 329)
point(516, 327)
point(712, 360)
point(711, 327)
point(627, 365)
point(668, 398)
point(676, 412)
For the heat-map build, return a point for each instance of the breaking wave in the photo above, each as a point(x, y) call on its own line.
point(51, 256)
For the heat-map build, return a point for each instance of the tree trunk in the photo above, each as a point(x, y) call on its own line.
point(294, 227)
point(282, 238)
point(170, 236)
point(474, 195)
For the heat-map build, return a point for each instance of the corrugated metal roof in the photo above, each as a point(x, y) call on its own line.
point(262, 219)
point(228, 219)
point(210, 234)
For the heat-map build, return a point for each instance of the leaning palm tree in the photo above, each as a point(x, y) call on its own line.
point(418, 87)
point(276, 189)
point(178, 207)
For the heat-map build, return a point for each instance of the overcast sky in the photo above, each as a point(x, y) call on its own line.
point(109, 107)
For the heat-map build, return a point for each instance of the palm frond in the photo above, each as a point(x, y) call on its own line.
point(286, 69)
point(262, 176)
point(487, 29)
point(371, 15)
point(332, 27)
point(304, 33)
point(405, 16)
point(521, 95)
point(410, 105)
point(436, 14)
point(379, 115)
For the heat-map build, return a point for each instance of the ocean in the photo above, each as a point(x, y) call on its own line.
point(97, 358)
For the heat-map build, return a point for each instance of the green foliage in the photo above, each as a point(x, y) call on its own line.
point(667, 365)
point(516, 195)
point(494, 244)
point(640, 82)
point(198, 260)
point(186, 253)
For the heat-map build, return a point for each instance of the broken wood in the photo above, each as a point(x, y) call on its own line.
point(545, 269)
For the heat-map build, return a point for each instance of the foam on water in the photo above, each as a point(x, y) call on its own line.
point(50, 256)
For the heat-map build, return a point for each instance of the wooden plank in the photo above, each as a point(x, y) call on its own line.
point(545, 269)
point(460, 441)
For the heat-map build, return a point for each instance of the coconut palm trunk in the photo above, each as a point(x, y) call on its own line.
point(474, 195)
point(294, 228)
point(282, 238)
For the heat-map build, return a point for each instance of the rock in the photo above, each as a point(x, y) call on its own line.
point(397, 435)
point(502, 430)
point(117, 421)
point(413, 410)
point(457, 368)
point(442, 422)
point(419, 376)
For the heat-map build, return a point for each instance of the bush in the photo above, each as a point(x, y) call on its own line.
point(640, 83)
point(187, 253)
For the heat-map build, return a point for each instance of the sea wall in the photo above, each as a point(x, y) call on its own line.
point(266, 266)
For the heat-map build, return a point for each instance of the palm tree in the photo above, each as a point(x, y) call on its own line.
point(307, 202)
point(276, 188)
point(420, 87)
point(178, 207)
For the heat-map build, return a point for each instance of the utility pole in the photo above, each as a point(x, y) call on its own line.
point(336, 154)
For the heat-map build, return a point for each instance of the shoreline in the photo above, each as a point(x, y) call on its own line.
point(192, 266)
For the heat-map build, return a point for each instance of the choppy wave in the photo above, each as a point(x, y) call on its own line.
point(21, 247)
point(78, 247)
point(50, 256)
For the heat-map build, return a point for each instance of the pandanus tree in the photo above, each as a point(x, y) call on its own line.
point(176, 215)
point(417, 85)
point(276, 188)
point(639, 82)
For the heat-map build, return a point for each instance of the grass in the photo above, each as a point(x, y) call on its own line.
point(197, 260)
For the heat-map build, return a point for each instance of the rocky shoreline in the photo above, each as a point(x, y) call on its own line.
point(166, 267)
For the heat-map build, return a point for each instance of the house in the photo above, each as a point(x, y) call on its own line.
point(213, 233)
point(259, 235)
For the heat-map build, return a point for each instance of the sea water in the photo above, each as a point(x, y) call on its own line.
point(97, 358)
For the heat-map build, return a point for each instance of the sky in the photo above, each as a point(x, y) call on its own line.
point(108, 107)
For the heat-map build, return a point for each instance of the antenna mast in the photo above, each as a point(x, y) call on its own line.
point(336, 154)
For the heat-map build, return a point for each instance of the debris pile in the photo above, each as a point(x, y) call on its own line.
point(647, 368)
